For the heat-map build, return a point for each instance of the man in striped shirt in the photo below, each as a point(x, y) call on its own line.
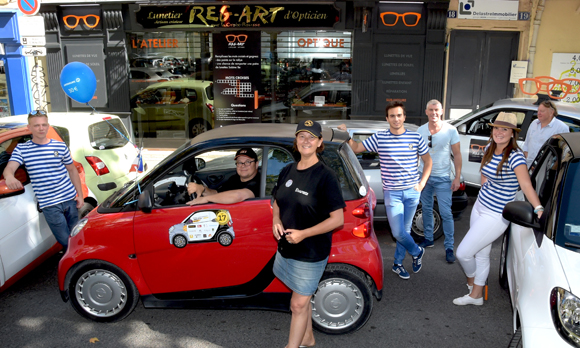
point(399, 152)
point(55, 180)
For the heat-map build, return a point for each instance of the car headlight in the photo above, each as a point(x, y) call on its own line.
point(566, 315)
point(78, 227)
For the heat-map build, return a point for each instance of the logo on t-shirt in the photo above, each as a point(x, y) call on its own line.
point(410, 146)
point(300, 191)
point(56, 154)
point(289, 183)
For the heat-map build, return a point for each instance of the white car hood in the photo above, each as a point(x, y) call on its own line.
point(570, 261)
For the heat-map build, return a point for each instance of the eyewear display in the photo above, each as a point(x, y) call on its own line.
point(72, 21)
point(557, 89)
point(410, 19)
point(241, 38)
point(244, 164)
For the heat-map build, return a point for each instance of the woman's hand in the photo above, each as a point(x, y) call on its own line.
point(278, 230)
point(294, 236)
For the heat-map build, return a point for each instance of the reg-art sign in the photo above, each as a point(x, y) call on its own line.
point(239, 16)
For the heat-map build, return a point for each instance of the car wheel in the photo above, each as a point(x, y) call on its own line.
point(197, 127)
point(102, 292)
point(85, 209)
point(503, 280)
point(225, 239)
point(179, 241)
point(417, 228)
point(343, 302)
point(516, 341)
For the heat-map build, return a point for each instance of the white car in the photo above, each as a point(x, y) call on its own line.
point(474, 129)
point(540, 260)
point(203, 226)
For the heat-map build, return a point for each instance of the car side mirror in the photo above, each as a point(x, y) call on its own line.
point(145, 203)
point(6, 192)
point(199, 163)
point(521, 213)
point(462, 128)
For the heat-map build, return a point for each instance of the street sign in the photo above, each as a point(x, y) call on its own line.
point(34, 51)
point(29, 7)
point(33, 41)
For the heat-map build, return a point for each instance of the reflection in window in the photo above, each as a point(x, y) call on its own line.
point(277, 160)
point(568, 234)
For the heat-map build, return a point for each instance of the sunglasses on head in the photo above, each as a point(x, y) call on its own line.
point(37, 112)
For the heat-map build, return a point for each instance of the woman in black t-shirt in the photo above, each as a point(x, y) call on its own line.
point(307, 208)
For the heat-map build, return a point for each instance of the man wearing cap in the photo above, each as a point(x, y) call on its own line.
point(399, 151)
point(542, 129)
point(245, 184)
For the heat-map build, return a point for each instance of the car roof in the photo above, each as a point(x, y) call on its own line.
point(573, 140)
point(529, 103)
point(264, 130)
point(360, 125)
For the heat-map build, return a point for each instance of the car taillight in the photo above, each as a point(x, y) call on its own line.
point(362, 230)
point(210, 107)
point(462, 186)
point(362, 211)
point(99, 166)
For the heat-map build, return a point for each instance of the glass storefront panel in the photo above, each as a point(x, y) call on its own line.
point(4, 101)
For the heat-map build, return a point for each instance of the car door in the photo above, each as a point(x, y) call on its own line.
point(474, 134)
point(203, 263)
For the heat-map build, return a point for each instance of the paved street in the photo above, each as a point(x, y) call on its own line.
point(413, 313)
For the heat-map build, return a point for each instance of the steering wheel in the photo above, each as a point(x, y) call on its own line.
point(196, 180)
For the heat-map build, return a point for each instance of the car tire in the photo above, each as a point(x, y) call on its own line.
point(225, 239)
point(516, 341)
point(197, 127)
point(179, 241)
point(503, 280)
point(343, 302)
point(102, 292)
point(417, 229)
point(85, 209)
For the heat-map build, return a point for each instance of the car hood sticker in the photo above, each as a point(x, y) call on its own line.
point(362, 191)
point(203, 226)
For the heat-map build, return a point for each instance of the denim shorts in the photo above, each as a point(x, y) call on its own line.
point(300, 276)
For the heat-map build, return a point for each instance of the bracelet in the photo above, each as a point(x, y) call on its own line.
point(538, 209)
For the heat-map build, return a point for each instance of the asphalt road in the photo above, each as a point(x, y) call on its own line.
point(413, 313)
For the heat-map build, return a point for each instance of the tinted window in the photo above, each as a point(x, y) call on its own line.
point(480, 125)
point(573, 123)
point(544, 177)
point(568, 234)
point(368, 160)
point(209, 91)
point(108, 134)
point(6, 149)
point(344, 167)
point(277, 160)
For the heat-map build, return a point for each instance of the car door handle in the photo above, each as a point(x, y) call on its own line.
point(215, 178)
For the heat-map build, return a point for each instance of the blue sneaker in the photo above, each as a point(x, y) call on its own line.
point(401, 271)
point(449, 255)
point(426, 243)
point(417, 260)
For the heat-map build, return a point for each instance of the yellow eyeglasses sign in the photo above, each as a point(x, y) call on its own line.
point(410, 19)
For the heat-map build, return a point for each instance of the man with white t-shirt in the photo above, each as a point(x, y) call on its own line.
point(399, 150)
point(442, 139)
point(55, 180)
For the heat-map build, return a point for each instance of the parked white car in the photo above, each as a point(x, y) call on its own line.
point(540, 259)
point(474, 129)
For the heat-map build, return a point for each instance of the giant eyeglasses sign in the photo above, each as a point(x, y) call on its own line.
point(239, 16)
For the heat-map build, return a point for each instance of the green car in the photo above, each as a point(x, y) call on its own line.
point(181, 108)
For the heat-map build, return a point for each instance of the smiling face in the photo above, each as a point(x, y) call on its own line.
point(434, 112)
point(38, 126)
point(396, 118)
point(307, 144)
point(545, 114)
point(245, 169)
point(502, 136)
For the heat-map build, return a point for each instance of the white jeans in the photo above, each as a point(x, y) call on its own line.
point(473, 252)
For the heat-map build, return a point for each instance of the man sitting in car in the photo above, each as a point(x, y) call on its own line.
point(243, 185)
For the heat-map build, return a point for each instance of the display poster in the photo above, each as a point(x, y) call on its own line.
point(92, 55)
point(488, 9)
point(518, 70)
point(566, 67)
point(237, 77)
point(282, 15)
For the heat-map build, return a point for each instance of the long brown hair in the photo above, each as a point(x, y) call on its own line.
point(512, 145)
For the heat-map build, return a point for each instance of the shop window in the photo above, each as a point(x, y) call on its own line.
point(4, 102)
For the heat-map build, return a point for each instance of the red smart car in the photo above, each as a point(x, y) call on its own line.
point(145, 243)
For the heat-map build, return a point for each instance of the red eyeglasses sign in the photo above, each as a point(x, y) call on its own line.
point(29, 7)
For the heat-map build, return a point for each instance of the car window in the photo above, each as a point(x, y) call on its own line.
point(367, 160)
point(109, 134)
point(343, 97)
point(544, 177)
point(277, 160)
point(6, 149)
point(480, 125)
point(572, 123)
point(64, 134)
point(191, 94)
point(209, 91)
point(568, 230)
point(345, 165)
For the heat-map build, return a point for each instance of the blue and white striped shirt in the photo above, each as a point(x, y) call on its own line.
point(46, 167)
point(500, 190)
point(399, 157)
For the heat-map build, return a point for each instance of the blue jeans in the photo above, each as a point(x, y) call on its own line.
point(61, 219)
point(440, 186)
point(401, 206)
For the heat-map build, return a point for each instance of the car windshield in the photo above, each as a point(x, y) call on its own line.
point(568, 235)
point(108, 134)
point(468, 115)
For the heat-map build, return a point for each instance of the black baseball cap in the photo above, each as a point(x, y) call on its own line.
point(246, 151)
point(311, 127)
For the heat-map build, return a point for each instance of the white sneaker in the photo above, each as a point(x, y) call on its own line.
point(470, 288)
point(468, 300)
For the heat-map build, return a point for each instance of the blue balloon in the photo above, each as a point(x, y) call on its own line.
point(78, 82)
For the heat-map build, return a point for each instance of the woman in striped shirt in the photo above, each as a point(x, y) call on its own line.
point(503, 170)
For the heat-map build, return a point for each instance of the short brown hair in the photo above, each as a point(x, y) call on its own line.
point(395, 104)
point(548, 104)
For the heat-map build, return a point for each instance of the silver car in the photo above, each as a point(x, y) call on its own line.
point(359, 131)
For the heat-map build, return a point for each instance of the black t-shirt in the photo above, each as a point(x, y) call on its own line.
point(235, 183)
point(306, 198)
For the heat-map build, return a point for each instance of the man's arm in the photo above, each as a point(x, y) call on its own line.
point(76, 181)
point(354, 145)
point(457, 162)
point(427, 166)
point(226, 197)
point(11, 181)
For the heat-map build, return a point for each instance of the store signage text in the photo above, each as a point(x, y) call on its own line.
point(154, 43)
point(239, 16)
point(302, 42)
